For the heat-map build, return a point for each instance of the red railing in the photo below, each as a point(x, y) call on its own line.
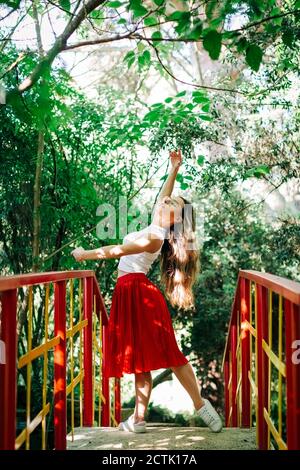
point(261, 361)
point(87, 323)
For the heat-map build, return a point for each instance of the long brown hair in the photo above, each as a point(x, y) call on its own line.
point(179, 262)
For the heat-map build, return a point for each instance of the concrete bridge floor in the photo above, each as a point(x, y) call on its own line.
point(160, 436)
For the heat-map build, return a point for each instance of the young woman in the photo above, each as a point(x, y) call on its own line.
point(140, 335)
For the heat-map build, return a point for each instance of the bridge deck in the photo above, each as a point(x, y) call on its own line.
point(163, 437)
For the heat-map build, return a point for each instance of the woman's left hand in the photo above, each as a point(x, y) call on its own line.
point(78, 253)
point(176, 158)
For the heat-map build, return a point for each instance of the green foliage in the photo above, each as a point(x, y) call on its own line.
point(91, 155)
point(11, 3)
point(159, 414)
point(254, 56)
point(212, 43)
point(65, 4)
point(114, 4)
point(137, 8)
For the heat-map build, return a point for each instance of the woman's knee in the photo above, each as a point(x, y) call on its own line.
point(143, 374)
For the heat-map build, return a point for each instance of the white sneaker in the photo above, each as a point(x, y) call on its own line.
point(130, 426)
point(210, 417)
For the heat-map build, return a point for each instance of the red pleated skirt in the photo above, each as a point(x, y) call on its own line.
point(139, 335)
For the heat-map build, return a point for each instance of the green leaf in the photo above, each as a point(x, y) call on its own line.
point(150, 21)
point(157, 105)
point(137, 8)
point(65, 4)
point(274, 12)
point(179, 177)
point(200, 159)
point(205, 108)
point(156, 35)
point(184, 185)
point(159, 2)
point(164, 177)
point(205, 117)
point(152, 116)
point(199, 94)
point(114, 4)
point(254, 56)
point(181, 93)
point(129, 58)
point(199, 99)
point(257, 171)
point(168, 100)
point(288, 37)
point(11, 3)
point(177, 119)
point(241, 44)
point(196, 31)
point(212, 43)
point(183, 26)
point(145, 58)
point(176, 15)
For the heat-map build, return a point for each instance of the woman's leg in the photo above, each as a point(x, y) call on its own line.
point(143, 388)
point(186, 376)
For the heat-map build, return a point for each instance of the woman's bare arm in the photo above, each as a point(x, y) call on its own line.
point(149, 244)
point(168, 186)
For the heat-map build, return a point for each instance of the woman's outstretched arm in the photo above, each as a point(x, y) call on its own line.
point(168, 186)
point(149, 244)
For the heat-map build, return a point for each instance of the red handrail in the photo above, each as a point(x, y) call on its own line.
point(9, 286)
point(238, 357)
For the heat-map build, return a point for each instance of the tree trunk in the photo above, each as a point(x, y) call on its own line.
point(37, 203)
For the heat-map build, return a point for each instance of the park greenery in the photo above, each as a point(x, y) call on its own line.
point(229, 77)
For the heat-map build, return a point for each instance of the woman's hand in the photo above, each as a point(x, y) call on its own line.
point(176, 158)
point(78, 253)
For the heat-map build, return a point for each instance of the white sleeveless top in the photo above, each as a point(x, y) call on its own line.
point(141, 262)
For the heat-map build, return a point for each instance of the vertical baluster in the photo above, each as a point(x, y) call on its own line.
point(233, 340)
point(105, 383)
point(95, 351)
point(239, 371)
point(88, 353)
point(60, 409)
point(255, 362)
point(117, 400)
point(252, 363)
point(72, 355)
point(245, 349)
point(262, 364)
point(226, 385)
point(45, 368)
point(100, 369)
point(270, 341)
point(29, 367)
point(80, 353)
point(8, 388)
point(279, 373)
point(292, 327)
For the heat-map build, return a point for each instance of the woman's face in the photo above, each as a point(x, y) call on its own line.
point(169, 210)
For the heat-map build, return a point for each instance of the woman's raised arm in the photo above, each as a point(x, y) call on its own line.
point(168, 186)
